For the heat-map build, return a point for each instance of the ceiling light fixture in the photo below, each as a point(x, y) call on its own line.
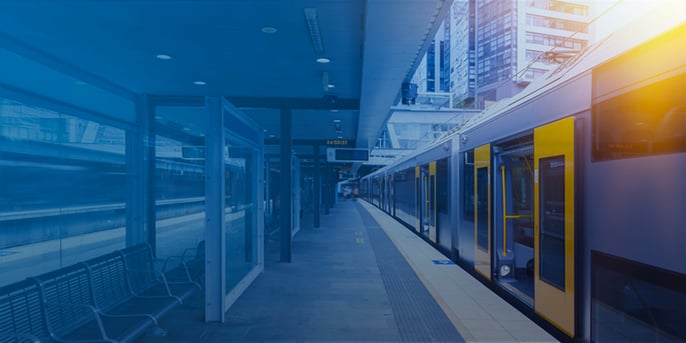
point(323, 60)
point(313, 29)
point(164, 57)
point(331, 85)
point(199, 83)
point(269, 30)
point(336, 120)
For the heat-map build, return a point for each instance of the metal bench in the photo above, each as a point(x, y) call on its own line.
point(146, 280)
point(116, 297)
point(73, 316)
point(189, 267)
point(21, 314)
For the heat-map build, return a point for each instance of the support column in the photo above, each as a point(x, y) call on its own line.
point(317, 185)
point(137, 155)
point(286, 185)
point(215, 256)
point(327, 189)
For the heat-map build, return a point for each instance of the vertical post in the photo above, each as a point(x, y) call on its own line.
point(325, 196)
point(151, 150)
point(215, 261)
point(268, 208)
point(285, 185)
point(137, 154)
point(317, 185)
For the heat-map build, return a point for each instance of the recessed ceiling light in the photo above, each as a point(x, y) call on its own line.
point(199, 83)
point(265, 130)
point(339, 137)
point(323, 60)
point(269, 29)
point(331, 85)
point(186, 129)
point(163, 57)
point(272, 136)
point(336, 120)
point(334, 110)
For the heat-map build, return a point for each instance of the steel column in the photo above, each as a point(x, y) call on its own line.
point(286, 194)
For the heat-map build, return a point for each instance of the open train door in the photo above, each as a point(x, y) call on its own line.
point(554, 223)
point(482, 210)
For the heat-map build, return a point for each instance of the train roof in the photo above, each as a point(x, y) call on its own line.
point(662, 19)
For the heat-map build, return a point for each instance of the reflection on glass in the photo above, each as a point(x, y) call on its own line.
point(633, 302)
point(552, 212)
point(62, 196)
point(179, 190)
point(241, 225)
point(482, 208)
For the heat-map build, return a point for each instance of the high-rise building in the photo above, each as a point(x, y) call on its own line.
point(433, 73)
point(517, 41)
point(492, 49)
point(462, 46)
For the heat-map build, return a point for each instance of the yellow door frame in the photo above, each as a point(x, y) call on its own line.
point(555, 304)
point(482, 259)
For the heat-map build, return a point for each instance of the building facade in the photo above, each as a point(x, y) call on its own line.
point(495, 48)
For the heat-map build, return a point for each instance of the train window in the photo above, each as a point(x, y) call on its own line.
point(635, 302)
point(482, 204)
point(552, 225)
point(648, 121)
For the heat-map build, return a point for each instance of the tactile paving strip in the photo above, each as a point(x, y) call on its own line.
point(417, 314)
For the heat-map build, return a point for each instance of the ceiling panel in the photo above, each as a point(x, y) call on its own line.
point(373, 46)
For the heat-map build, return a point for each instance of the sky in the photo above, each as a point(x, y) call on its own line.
point(625, 12)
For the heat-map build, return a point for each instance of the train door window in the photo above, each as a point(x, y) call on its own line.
point(468, 186)
point(552, 227)
point(418, 198)
point(482, 208)
point(635, 302)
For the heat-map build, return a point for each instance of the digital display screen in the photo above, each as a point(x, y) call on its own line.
point(351, 155)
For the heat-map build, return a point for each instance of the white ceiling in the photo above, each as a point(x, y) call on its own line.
point(374, 45)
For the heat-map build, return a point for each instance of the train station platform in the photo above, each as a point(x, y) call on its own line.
point(361, 276)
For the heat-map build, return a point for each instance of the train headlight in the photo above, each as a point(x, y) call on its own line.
point(505, 270)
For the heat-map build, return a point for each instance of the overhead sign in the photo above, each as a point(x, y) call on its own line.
point(347, 155)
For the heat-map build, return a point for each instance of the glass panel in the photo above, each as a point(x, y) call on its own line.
point(634, 302)
point(63, 190)
point(552, 227)
point(179, 184)
point(482, 208)
point(241, 226)
point(468, 187)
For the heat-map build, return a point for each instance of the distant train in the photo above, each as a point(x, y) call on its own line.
point(569, 199)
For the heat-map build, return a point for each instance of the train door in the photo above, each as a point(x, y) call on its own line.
point(554, 244)
point(431, 203)
point(482, 210)
point(391, 195)
point(513, 233)
point(382, 193)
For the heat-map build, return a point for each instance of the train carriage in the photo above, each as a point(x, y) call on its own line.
point(569, 199)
